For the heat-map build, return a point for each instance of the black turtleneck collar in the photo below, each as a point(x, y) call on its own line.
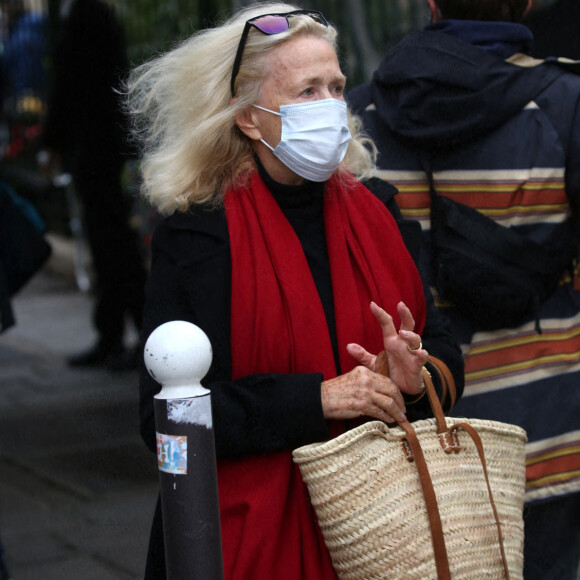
point(292, 196)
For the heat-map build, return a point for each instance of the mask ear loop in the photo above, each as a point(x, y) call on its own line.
point(267, 145)
point(273, 113)
point(267, 110)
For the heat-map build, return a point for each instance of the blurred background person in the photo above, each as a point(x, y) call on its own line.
point(85, 134)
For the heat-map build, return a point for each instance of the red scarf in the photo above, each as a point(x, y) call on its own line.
point(279, 326)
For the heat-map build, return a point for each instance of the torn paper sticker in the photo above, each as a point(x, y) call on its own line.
point(172, 453)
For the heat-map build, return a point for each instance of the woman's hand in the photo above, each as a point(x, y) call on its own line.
point(403, 349)
point(363, 392)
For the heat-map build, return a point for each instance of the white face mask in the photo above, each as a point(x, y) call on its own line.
point(315, 137)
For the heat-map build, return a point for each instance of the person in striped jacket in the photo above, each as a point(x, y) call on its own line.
point(461, 103)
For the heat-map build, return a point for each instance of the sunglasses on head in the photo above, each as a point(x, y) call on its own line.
point(269, 24)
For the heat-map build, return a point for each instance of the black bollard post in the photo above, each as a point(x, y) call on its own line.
point(178, 355)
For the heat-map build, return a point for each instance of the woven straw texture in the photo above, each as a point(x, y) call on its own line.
point(371, 511)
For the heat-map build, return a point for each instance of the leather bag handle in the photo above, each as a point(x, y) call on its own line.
point(447, 385)
point(449, 442)
point(437, 537)
point(447, 381)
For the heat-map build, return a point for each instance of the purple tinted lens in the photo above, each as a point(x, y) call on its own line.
point(271, 24)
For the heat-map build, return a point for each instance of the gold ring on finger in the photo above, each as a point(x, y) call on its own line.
point(414, 350)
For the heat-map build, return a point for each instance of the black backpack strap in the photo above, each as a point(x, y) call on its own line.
point(497, 240)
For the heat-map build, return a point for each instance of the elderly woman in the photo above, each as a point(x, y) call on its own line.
point(297, 273)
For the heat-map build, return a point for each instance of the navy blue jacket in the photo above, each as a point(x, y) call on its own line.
point(502, 133)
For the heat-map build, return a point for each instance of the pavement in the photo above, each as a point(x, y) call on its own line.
point(77, 485)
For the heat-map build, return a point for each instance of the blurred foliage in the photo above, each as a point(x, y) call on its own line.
point(367, 27)
point(154, 26)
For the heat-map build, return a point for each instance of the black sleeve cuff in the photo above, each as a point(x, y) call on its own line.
point(267, 412)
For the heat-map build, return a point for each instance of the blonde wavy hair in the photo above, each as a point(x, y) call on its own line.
point(183, 114)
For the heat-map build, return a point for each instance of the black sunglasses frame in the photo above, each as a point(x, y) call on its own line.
point(314, 14)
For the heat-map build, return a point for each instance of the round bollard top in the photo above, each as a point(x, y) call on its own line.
point(178, 355)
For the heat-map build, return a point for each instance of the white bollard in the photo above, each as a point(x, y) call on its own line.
point(178, 355)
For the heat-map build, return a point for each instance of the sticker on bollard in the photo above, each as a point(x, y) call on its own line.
point(172, 454)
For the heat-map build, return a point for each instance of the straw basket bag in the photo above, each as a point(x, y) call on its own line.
point(436, 499)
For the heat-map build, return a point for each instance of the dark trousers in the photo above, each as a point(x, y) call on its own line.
point(117, 260)
point(552, 539)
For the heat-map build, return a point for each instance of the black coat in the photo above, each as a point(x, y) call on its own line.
point(190, 281)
